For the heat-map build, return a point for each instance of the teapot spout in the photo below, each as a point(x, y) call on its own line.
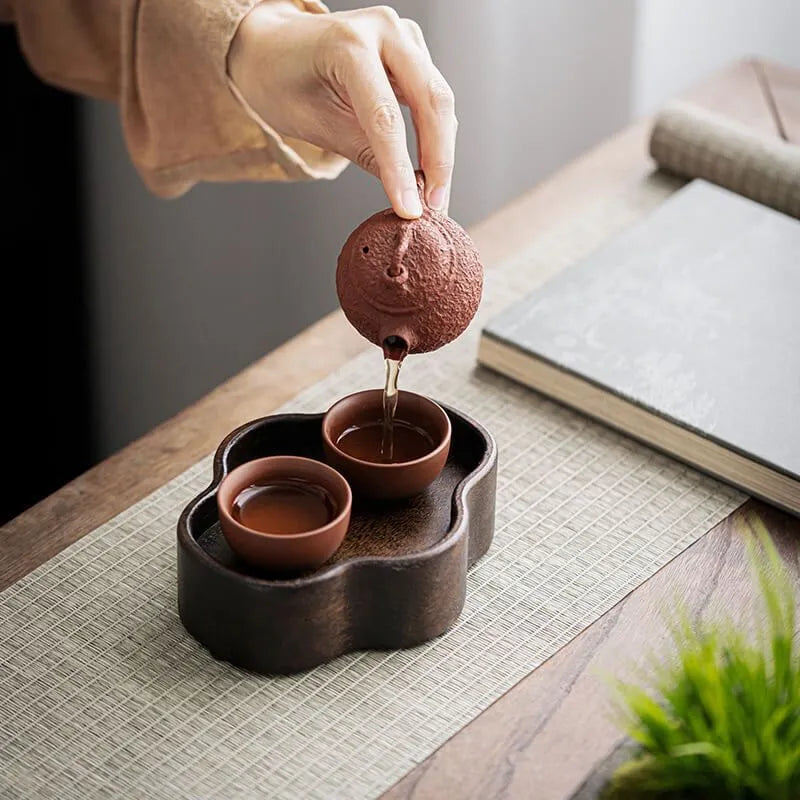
point(397, 343)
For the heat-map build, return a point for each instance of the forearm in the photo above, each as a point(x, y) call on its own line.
point(165, 63)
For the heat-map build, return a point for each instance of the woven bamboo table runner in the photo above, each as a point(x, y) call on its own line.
point(104, 694)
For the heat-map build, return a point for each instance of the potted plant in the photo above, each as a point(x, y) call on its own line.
point(723, 719)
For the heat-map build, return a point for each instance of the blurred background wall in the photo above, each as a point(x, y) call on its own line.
point(679, 41)
point(184, 293)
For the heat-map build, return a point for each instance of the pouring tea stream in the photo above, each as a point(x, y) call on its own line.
point(408, 286)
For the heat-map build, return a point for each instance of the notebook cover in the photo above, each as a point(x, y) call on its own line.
point(693, 314)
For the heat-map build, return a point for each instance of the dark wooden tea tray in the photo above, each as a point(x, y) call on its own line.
point(398, 579)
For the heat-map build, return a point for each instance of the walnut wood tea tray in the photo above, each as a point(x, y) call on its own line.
point(398, 579)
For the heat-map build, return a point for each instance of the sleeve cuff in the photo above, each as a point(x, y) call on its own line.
point(295, 159)
point(185, 121)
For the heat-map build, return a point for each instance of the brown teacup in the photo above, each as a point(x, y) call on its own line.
point(284, 513)
point(367, 473)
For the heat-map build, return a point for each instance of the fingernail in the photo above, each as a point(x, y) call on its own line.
point(438, 198)
point(411, 203)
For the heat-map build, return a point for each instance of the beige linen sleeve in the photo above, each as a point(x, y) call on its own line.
point(164, 62)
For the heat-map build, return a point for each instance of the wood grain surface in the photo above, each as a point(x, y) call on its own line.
point(545, 736)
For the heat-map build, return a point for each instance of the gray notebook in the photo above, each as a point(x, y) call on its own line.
point(683, 331)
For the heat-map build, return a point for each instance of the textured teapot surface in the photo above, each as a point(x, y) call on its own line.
point(420, 280)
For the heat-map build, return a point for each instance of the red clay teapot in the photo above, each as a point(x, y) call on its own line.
point(416, 283)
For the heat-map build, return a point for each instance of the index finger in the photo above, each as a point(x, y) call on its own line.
point(433, 106)
point(378, 113)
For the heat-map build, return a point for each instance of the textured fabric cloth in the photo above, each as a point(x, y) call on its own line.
point(696, 143)
point(104, 694)
point(165, 64)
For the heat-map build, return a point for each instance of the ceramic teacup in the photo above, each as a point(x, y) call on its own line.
point(282, 551)
point(373, 477)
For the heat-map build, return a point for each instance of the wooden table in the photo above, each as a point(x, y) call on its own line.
point(547, 734)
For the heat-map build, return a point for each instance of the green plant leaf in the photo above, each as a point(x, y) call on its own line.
point(723, 719)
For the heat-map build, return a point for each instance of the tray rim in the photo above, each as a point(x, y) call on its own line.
point(457, 528)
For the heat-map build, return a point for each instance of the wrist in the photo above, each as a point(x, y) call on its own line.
point(262, 18)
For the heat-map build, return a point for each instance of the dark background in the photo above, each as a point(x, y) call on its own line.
point(46, 410)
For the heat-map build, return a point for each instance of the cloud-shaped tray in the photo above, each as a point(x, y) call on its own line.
point(398, 579)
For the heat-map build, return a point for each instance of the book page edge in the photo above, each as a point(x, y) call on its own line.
point(650, 429)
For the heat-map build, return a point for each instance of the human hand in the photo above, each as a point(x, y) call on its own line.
point(336, 81)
